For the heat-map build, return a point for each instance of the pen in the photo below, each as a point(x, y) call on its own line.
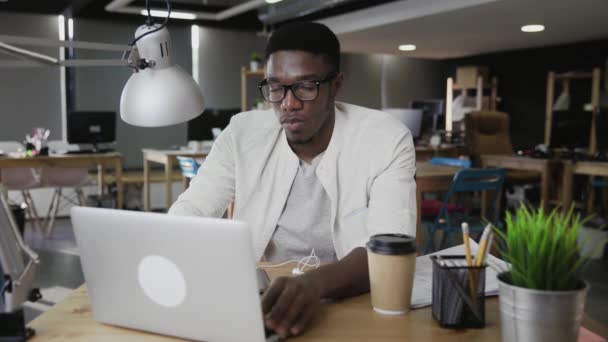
point(467, 250)
point(483, 244)
point(488, 247)
point(467, 247)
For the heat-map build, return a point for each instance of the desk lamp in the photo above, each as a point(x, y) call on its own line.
point(17, 276)
point(159, 93)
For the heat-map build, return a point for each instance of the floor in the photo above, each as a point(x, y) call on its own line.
point(60, 271)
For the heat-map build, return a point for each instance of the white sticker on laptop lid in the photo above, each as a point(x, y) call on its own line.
point(162, 281)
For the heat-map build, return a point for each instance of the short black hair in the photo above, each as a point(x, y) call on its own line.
point(311, 37)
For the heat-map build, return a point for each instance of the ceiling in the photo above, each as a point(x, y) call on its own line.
point(439, 28)
point(247, 20)
point(456, 28)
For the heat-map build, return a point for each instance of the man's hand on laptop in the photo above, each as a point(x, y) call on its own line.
point(289, 304)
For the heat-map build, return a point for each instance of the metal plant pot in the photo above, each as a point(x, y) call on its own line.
point(537, 315)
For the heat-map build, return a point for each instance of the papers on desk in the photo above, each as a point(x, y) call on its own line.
point(423, 279)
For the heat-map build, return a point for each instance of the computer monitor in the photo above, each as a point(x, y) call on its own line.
point(411, 118)
point(432, 110)
point(88, 127)
point(570, 129)
point(200, 127)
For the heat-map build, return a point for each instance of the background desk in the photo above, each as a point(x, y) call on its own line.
point(580, 168)
point(169, 159)
point(430, 178)
point(100, 160)
point(349, 320)
point(424, 153)
point(543, 166)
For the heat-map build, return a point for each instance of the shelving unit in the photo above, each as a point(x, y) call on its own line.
point(565, 78)
point(246, 75)
point(480, 87)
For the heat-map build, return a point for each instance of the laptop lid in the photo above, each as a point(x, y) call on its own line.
point(188, 277)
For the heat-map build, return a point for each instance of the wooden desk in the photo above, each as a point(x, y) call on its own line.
point(543, 166)
point(100, 160)
point(424, 153)
point(571, 169)
point(169, 159)
point(348, 320)
point(430, 178)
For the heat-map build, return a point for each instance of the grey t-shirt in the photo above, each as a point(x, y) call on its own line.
point(305, 221)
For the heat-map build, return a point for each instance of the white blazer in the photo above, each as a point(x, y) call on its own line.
point(367, 170)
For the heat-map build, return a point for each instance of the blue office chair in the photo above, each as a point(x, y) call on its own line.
point(466, 180)
point(189, 167)
point(430, 207)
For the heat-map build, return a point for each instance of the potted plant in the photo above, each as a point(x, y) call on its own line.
point(255, 61)
point(259, 104)
point(541, 296)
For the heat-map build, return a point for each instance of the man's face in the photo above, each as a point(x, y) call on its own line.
point(302, 120)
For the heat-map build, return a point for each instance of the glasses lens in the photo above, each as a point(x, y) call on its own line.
point(305, 90)
point(273, 92)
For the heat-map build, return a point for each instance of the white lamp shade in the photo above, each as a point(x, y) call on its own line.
point(160, 97)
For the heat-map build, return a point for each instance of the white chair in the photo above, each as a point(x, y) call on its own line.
point(21, 179)
point(59, 178)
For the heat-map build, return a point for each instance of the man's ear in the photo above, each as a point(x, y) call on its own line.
point(337, 84)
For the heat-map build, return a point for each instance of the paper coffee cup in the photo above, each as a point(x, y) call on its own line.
point(392, 264)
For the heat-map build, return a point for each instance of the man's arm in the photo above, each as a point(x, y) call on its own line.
point(213, 187)
point(290, 303)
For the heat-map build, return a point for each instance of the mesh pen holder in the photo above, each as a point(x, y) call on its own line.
point(454, 304)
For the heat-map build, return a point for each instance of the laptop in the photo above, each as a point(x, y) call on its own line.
point(187, 277)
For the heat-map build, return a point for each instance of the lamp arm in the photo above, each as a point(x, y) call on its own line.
point(43, 59)
point(19, 289)
point(33, 41)
point(29, 54)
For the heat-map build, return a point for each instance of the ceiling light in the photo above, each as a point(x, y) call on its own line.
point(532, 28)
point(273, 1)
point(174, 15)
point(407, 47)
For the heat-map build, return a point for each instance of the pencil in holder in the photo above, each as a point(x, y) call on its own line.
point(458, 292)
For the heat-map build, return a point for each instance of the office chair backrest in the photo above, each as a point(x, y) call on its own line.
point(487, 133)
point(188, 165)
point(18, 178)
point(473, 180)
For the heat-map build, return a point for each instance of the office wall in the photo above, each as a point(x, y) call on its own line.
point(29, 97)
point(407, 79)
point(99, 88)
point(522, 82)
point(376, 81)
point(222, 53)
point(362, 79)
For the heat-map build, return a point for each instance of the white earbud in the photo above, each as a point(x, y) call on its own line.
point(309, 261)
point(296, 271)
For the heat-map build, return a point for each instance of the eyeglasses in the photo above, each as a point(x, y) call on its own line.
point(303, 90)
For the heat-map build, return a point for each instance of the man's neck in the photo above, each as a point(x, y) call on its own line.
point(307, 152)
